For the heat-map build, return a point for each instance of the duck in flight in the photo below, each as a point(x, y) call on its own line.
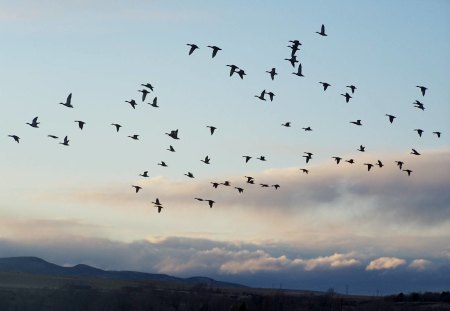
point(287, 124)
point(226, 183)
point(117, 126)
point(351, 161)
point(135, 136)
point(422, 89)
point(193, 47)
point(65, 142)
point(299, 71)
point(347, 97)
point(211, 128)
point(15, 137)
point(215, 50)
point(163, 164)
point(391, 117)
point(158, 205)
point(206, 160)
point(173, 134)
point(68, 102)
point(325, 85)
point(145, 174)
point(361, 148)
point(34, 123)
point(189, 174)
point(272, 73)
point(357, 122)
point(210, 203)
point(322, 31)
point(136, 188)
point(80, 124)
point(307, 129)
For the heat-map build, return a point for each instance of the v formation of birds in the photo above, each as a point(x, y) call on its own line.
point(147, 89)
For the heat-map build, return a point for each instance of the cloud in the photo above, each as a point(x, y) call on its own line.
point(384, 263)
point(419, 264)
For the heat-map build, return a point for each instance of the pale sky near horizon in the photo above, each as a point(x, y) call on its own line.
point(75, 204)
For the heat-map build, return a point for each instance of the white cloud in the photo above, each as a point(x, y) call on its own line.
point(419, 264)
point(384, 263)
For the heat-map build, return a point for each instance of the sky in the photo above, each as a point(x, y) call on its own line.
point(378, 231)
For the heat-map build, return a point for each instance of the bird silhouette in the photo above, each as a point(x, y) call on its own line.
point(215, 50)
point(399, 164)
point(264, 185)
point(294, 48)
point(337, 159)
point(171, 149)
point(226, 183)
point(419, 131)
point(422, 89)
point(132, 103)
point(239, 189)
point(136, 188)
point(369, 166)
point(117, 126)
point(408, 171)
point(34, 123)
point(157, 202)
point(210, 203)
point(163, 164)
point(145, 174)
point(247, 158)
point(361, 148)
point(199, 199)
point(215, 184)
point(351, 161)
point(68, 102)
point(189, 174)
point(144, 93)
point(347, 97)
point(307, 129)
point(65, 142)
point(438, 134)
point(154, 102)
point(352, 88)
point(308, 156)
point(233, 69)
point(380, 164)
point(148, 85)
point(419, 105)
point(80, 124)
point(271, 95)
point(272, 73)
point(160, 207)
point(322, 31)
point(241, 73)
point(249, 178)
point(414, 152)
point(173, 134)
point(135, 136)
point(206, 160)
point(357, 122)
point(299, 71)
point(53, 136)
point(325, 85)
point(15, 137)
point(304, 170)
point(261, 96)
point(391, 117)
point(211, 128)
point(276, 186)
point(293, 60)
point(287, 124)
point(262, 158)
point(193, 47)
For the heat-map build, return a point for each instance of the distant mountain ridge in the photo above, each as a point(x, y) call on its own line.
point(35, 265)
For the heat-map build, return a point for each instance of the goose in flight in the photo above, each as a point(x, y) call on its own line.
point(325, 85)
point(154, 102)
point(261, 96)
point(117, 126)
point(322, 31)
point(304, 170)
point(34, 123)
point(399, 164)
point(135, 136)
point(294, 48)
point(357, 122)
point(352, 88)
point(414, 152)
point(264, 185)
point(307, 129)
point(308, 156)
point(408, 171)
point(241, 73)
point(211, 128)
point(419, 131)
point(299, 71)
point(215, 50)
point(287, 124)
point(391, 117)
point(247, 158)
point(361, 148)
point(419, 105)
point(262, 158)
point(163, 164)
point(233, 69)
point(369, 166)
point(422, 89)
point(136, 188)
point(132, 103)
point(144, 93)
point(295, 42)
point(68, 102)
point(15, 137)
point(380, 164)
point(158, 205)
point(351, 161)
point(226, 183)
point(80, 124)
point(210, 203)
point(189, 174)
point(438, 134)
point(249, 178)
point(271, 95)
point(199, 199)
point(148, 85)
point(239, 189)
point(215, 184)
point(337, 159)
point(193, 47)
point(292, 60)
point(171, 149)
point(145, 174)
point(276, 186)
point(65, 142)
point(157, 202)
point(272, 73)
point(173, 134)
point(206, 160)
point(347, 97)
point(53, 136)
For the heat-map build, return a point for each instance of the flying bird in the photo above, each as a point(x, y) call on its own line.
point(193, 47)
point(132, 103)
point(304, 170)
point(399, 164)
point(226, 183)
point(135, 136)
point(199, 199)
point(422, 89)
point(337, 159)
point(414, 152)
point(34, 123)
point(249, 178)
point(322, 31)
point(438, 134)
point(117, 126)
point(307, 129)
point(419, 105)
point(357, 122)
point(65, 142)
point(206, 160)
point(276, 186)
point(145, 174)
point(80, 124)
point(163, 164)
point(361, 148)
point(144, 93)
point(148, 85)
point(215, 50)
point(351, 161)
point(261, 96)
point(189, 174)
point(391, 117)
point(352, 88)
point(347, 97)
point(419, 131)
point(53, 136)
point(239, 189)
point(158, 205)
point(299, 71)
point(272, 73)
point(262, 158)
point(215, 184)
point(210, 202)
point(241, 73)
point(271, 95)
point(379, 163)
point(233, 69)
point(247, 158)
point(211, 128)
point(308, 156)
point(369, 166)
point(136, 188)
point(292, 60)
point(68, 102)
point(287, 124)
point(173, 134)
point(408, 171)
point(154, 102)
point(171, 149)
point(15, 137)
point(325, 85)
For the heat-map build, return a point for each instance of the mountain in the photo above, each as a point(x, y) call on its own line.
point(35, 265)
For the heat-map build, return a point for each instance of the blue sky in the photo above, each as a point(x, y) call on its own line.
point(370, 228)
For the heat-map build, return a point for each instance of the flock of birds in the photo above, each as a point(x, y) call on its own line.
point(294, 45)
